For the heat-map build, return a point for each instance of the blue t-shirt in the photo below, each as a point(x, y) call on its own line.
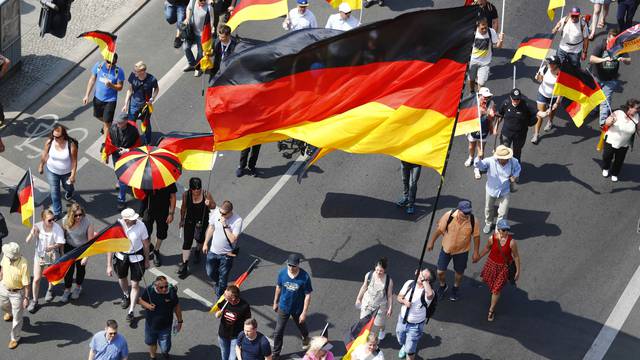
point(117, 349)
point(256, 349)
point(142, 89)
point(115, 75)
point(293, 291)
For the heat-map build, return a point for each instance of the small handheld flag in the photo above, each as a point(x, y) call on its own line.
point(105, 41)
point(554, 4)
point(23, 199)
point(218, 305)
point(578, 85)
point(535, 47)
point(626, 42)
point(257, 10)
point(359, 333)
point(468, 117)
point(206, 63)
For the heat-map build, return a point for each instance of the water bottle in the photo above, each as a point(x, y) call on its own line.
point(174, 328)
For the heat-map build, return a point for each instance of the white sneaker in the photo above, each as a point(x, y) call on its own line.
point(469, 161)
point(614, 178)
point(65, 296)
point(381, 335)
point(605, 173)
point(76, 293)
point(476, 173)
point(197, 73)
point(548, 126)
point(534, 139)
point(49, 295)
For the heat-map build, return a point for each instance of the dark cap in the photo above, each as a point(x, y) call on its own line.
point(575, 11)
point(464, 206)
point(516, 94)
point(293, 260)
point(503, 225)
point(122, 118)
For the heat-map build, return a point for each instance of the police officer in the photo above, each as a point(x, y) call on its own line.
point(517, 119)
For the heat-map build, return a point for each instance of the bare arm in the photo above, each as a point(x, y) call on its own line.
point(145, 249)
point(436, 234)
point(183, 208)
point(44, 156)
point(307, 302)
point(238, 352)
point(172, 208)
point(390, 297)
point(207, 237)
point(92, 354)
point(363, 288)
point(516, 257)
point(178, 312)
point(74, 163)
point(127, 99)
point(487, 248)
point(276, 298)
point(92, 81)
point(5, 66)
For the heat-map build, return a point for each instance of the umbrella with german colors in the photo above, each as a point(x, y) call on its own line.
point(148, 168)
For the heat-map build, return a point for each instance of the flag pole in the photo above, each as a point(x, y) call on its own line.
point(514, 76)
point(324, 331)
point(361, 12)
point(33, 198)
point(479, 121)
point(435, 203)
point(502, 20)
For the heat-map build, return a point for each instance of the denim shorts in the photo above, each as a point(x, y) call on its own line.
point(459, 261)
point(541, 99)
point(160, 337)
point(409, 335)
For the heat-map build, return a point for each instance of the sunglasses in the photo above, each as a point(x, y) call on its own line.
point(293, 266)
point(224, 213)
point(78, 215)
point(162, 287)
point(50, 220)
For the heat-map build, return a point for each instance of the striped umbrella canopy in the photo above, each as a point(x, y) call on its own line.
point(148, 168)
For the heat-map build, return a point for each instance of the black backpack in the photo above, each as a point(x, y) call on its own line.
point(450, 219)
point(431, 308)
point(386, 282)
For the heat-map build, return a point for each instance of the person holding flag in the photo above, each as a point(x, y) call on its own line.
point(300, 17)
point(197, 13)
point(108, 79)
point(14, 288)
point(143, 89)
point(232, 315)
point(415, 299)
point(547, 77)
point(478, 140)
point(485, 39)
point(574, 41)
point(78, 230)
point(621, 126)
point(121, 137)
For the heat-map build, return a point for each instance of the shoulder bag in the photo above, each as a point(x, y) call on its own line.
point(511, 265)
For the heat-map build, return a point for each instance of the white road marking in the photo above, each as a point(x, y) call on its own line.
point(198, 298)
point(82, 162)
point(616, 319)
point(157, 272)
point(11, 174)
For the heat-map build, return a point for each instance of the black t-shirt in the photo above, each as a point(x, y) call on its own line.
point(162, 317)
point(607, 70)
point(126, 138)
point(232, 320)
point(489, 11)
point(179, 2)
point(516, 118)
point(157, 201)
point(142, 89)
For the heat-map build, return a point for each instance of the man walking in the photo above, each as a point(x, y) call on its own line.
point(300, 17)
point(123, 136)
point(456, 227)
point(158, 207)
point(517, 119)
point(143, 89)
point(342, 20)
point(108, 79)
point(253, 159)
point(135, 260)
point(502, 172)
point(174, 13)
point(160, 302)
point(251, 344)
point(235, 311)
point(574, 41)
point(14, 289)
point(107, 344)
point(223, 232)
point(410, 326)
point(292, 298)
point(485, 40)
point(195, 18)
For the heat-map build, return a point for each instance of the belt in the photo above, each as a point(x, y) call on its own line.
point(15, 290)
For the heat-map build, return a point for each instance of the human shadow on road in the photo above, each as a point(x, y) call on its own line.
point(629, 172)
point(528, 223)
point(461, 356)
point(548, 173)
point(53, 331)
point(279, 170)
point(568, 128)
point(196, 352)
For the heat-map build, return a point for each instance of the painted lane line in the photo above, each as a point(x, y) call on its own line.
point(82, 162)
point(11, 174)
point(157, 272)
point(198, 298)
point(616, 319)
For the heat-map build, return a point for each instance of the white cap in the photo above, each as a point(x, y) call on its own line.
point(129, 214)
point(484, 91)
point(344, 7)
point(11, 250)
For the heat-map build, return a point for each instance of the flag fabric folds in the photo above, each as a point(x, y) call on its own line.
point(626, 42)
point(218, 305)
point(316, 155)
point(206, 40)
point(554, 4)
point(110, 239)
point(579, 86)
point(105, 41)
point(358, 334)
point(23, 199)
point(364, 91)
point(535, 47)
point(145, 116)
point(468, 117)
point(195, 150)
point(256, 10)
point(354, 4)
point(109, 148)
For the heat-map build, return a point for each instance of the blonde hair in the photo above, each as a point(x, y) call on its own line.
point(316, 344)
point(71, 215)
point(140, 66)
point(45, 212)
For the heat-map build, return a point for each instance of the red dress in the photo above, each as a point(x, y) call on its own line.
point(495, 272)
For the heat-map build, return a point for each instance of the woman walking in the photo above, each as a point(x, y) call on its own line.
point(319, 349)
point(49, 238)
point(621, 125)
point(502, 251)
point(60, 155)
point(77, 230)
point(547, 76)
point(478, 140)
point(194, 220)
point(599, 19)
point(376, 293)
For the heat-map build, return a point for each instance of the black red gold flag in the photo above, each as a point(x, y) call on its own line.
point(256, 10)
point(359, 333)
point(626, 42)
point(106, 42)
point(195, 150)
point(468, 117)
point(23, 199)
point(535, 47)
point(241, 279)
point(206, 40)
point(579, 86)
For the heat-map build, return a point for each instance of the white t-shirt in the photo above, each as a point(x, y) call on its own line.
point(573, 34)
point(619, 134)
point(335, 22)
point(219, 243)
point(301, 21)
point(45, 239)
point(481, 52)
point(361, 353)
point(548, 83)
point(417, 312)
point(135, 234)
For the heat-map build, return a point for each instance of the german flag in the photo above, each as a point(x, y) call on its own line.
point(206, 39)
point(111, 239)
point(220, 303)
point(317, 154)
point(468, 117)
point(195, 150)
point(363, 91)
point(145, 116)
point(554, 4)
point(359, 333)
point(105, 41)
point(23, 199)
point(468, 2)
point(354, 4)
point(535, 47)
point(257, 10)
point(579, 86)
point(626, 42)
point(603, 133)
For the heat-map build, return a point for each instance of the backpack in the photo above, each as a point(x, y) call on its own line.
point(431, 308)
point(583, 24)
point(386, 281)
point(450, 219)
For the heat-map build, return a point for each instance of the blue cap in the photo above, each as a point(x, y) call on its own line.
point(503, 225)
point(465, 207)
point(303, 2)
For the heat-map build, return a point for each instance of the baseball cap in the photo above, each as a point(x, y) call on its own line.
point(293, 260)
point(503, 225)
point(575, 11)
point(464, 206)
point(484, 91)
point(345, 8)
point(303, 2)
point(516, 94)
point(122, 118)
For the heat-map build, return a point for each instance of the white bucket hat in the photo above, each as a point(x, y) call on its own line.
point(129, 214)
point(11, 250)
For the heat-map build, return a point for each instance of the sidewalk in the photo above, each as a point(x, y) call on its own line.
point(47, 60)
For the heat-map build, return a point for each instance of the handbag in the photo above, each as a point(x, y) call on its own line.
point(235, 249)
point(186, 30)
point(511, 266)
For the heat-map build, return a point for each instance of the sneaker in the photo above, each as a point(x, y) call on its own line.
point(381, 335)
point(157, 262)
point(177, 42)
point(454, 296)
point(534, 139)
point(239, 172)
point(402, 202)
point(33, 306)
point(476, 174)
point(68, 195)
point(605, 173)
point(305, 343)
point(402, 354)
point(487, 228)
point(75, 294)
point(548, 126)
point(614, 178)
point(252, 172)
point(189, 68)
point(125, 302)
point(49, 295)
point(468, 162)
point(197, 73)
point(66, 295)
point(410, 209)
point(442, 290)
point(130, 317)
point(7, 317)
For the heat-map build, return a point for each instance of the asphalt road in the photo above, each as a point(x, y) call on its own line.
point(576, 230)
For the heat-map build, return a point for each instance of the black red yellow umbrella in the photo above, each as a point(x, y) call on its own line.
point(148, 168)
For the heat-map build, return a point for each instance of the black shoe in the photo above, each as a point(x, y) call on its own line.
point(157, 262)
point(68, 196)
point(182, 269)
point(189, 68)
point(239, 172)
point(125, 302)
point(454, 296)
point(253, 172)
point(196, 256)
point(130, 317)
point(177, 42)
point(442, 290)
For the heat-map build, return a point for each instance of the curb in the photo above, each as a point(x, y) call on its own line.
point(83, 51)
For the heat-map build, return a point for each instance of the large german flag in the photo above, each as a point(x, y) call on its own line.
point(535, 47)
point(468, 117)
point(105, 41)
point(355, 4)
point(358, 334)
point(220, 303)
point(554, 4)
point(23, 199)
point(578, 85)
point(195, 150)
point(111, 239)
point(368, 90)
point(257, 10)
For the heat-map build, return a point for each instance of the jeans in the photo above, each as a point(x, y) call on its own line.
point(227, 348)
point(281, 323)
point(255, 151)
point(122, 187)
point(491, 202)
point(54, 181)
point(409, 335)
point(174, 14)
point(608, 87)
point(80, 271)
point(188, 53)
point(218, 268)
point(626, 11)
point(515, 142)
point(162, 338)
point(612, 159)
point(134, 108)
point(410, 177)
point(571, 58)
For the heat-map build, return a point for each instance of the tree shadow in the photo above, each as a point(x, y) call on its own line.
point(547, 173)
point(53, 331)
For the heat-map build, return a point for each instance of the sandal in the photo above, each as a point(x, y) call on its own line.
point(491, 315)
point(601, 25)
